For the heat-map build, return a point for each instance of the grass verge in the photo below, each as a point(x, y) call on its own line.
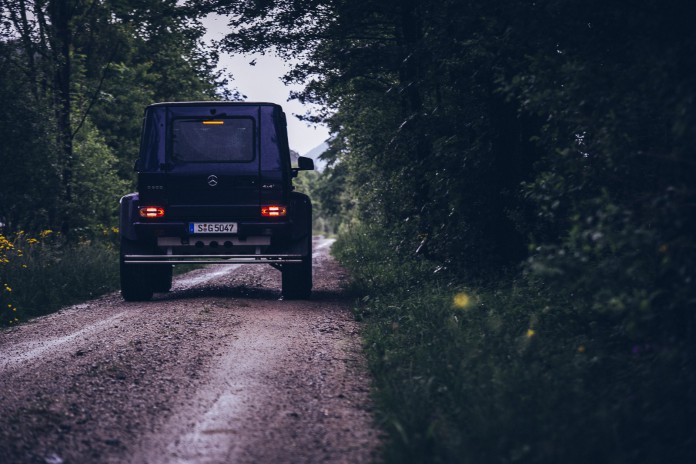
point(41, 274)
point(506, 372)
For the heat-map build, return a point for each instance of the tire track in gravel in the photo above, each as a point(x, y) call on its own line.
point(219, 370)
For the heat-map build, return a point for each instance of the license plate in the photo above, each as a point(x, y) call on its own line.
point(213, 228)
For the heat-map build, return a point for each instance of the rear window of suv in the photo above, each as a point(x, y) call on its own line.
point(211, 141)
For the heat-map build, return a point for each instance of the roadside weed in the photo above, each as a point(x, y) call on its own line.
point(504, 372)
point(41, 273)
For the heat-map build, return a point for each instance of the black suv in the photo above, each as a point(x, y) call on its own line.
point(215, 186)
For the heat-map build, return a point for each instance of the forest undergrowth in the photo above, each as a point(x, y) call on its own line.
point(506, 371)
point(43, 272)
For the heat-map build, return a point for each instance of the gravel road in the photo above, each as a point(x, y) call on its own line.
point(219, 370)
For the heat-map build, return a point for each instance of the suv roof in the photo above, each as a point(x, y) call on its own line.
point(216, 103)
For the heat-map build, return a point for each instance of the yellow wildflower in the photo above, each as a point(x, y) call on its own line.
point(530, 333)
point(461, 300)
point(45, 233)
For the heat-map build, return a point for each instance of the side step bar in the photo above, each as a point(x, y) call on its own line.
point(211, 259)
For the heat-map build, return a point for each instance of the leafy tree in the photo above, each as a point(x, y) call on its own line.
point(552, 137)
point(433, 150)
point(82, 72)
point(29, 174)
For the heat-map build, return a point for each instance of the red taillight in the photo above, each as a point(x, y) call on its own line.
point(151, 212)
point(273, 211)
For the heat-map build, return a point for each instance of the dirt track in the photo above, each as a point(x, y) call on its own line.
point(217, 371)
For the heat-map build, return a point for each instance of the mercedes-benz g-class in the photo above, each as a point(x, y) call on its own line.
point(214, 186)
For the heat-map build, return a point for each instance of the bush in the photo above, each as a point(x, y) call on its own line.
point(513, 371)
point(41, 274)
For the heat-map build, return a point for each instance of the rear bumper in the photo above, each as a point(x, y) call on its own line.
point(171, 243)
point(213, 249)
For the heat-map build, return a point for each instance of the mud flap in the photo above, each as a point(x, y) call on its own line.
point(127, 216)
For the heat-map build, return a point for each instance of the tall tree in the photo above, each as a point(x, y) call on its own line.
point(474, 132)
point(93, 66)
point(411, 90)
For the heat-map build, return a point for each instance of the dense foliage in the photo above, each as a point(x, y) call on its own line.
point(541, 152)
point(75, 76)
point(42, 273)
point(515, 182)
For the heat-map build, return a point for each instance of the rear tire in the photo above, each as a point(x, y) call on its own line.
point(136, 283)
point(161, 275)
point(297, 278)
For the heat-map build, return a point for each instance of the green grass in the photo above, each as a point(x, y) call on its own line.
point(504, 372)
point(41, 274)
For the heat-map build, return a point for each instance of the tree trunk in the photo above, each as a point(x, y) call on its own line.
point(60, 13)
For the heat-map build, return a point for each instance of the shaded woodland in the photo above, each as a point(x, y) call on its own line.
point(513, 182)
point(516, 187)
point(75, 76)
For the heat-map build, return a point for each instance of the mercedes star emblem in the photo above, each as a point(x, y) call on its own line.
point(212, 180)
